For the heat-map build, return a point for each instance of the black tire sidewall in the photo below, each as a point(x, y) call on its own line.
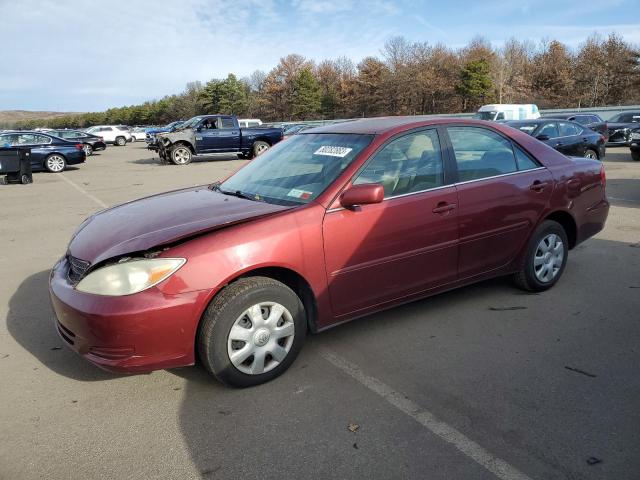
point(88, 150)
point(254, 150)
point(544, 229)
point(635, 155)
point(220, 364)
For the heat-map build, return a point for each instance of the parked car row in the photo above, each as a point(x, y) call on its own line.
point(48, 152)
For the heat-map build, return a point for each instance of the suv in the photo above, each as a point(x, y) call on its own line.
point(111, 134)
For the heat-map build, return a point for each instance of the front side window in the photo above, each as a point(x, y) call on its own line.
point(568, 129)
point(8, 140)
point(409, 164)
point(298, 170)
point(549, 129)
point(481, 153)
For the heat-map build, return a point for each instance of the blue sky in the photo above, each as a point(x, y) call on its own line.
point(91, 55)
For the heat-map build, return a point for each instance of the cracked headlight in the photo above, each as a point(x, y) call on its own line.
point(129, 277)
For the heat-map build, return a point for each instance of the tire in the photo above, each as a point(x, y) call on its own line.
point(635, 155)
point(591, 154)
point(229, 311)
point(180, 154)
point(55, 163)
point(121, 141)
point(25, 180)
point(88, 149)
point(542, 269)
point(259, 148)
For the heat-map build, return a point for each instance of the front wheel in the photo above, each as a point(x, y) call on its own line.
point(88, 149)
point(545, 258)
point(55, 163)
point(252, 331)
point(180, 155)
point(121, 141)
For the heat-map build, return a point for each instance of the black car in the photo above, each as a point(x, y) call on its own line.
point(47, 151)
point(590, 120)
point(621, 126)
point(567, 137)
point(635, 144)
point(90, 143)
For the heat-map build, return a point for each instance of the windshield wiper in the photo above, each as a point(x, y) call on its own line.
point(237, 193)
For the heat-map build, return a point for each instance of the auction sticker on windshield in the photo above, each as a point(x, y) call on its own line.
point(333, 151)
point(302, 194)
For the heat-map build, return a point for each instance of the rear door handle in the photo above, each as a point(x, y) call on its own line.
point(538, 186)
point(444, 207)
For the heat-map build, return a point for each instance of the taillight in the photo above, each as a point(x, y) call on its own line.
point(602, 138)
point(79, 146)
point(603, 177)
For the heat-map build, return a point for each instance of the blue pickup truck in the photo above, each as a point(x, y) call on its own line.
point(214, 134)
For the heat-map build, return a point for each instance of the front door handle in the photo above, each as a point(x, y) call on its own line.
point(444, 207)
point(538, 186)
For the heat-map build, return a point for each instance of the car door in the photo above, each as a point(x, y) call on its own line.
point(570, 140)
point(404, 245)
point(228, 134)
point(501, 193)
point(207, 135)
point(39, 145)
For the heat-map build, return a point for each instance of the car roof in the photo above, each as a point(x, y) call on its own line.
point(380, 125)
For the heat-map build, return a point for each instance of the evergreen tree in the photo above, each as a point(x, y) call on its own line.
point(306, 95)
point(475, 84)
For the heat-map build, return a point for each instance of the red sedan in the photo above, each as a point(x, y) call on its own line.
point(335, 223)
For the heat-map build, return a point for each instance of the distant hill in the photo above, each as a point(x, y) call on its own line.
point(11, 117)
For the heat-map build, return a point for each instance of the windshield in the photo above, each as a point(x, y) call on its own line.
point(484, 115)
point(297, 170)
point(525, 127)
point(192, 122)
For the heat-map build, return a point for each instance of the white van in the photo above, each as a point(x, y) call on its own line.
point(503, 111)
point(249, 122)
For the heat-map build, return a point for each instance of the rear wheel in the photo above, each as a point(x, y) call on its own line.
point(180, 155)
point(88, 149)
point(545, 258)
point(252, 331)
point(55, 163)
point(635, 155)
point(121, 141)
point(591, 154)
point(260, 147)
point(24, 179)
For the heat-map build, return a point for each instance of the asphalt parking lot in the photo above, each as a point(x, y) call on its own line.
point(483, 382)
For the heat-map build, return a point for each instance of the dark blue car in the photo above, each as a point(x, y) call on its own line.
point(47, 152)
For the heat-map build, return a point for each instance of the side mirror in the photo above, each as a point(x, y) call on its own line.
point(362, 195)
point(543, 138)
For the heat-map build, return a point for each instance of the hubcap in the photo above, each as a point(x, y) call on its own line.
point(87, 150)
point(261, 338)
point(181, 155)
point(548, 258)
point(590, 155)
point(55, 163)
point(261, 149)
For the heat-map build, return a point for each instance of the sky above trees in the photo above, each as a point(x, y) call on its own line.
point(89, 56)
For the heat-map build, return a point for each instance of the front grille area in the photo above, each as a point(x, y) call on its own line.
point(77, 269)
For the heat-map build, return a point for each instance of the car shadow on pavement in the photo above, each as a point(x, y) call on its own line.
point(624, 192)
point(30, 322)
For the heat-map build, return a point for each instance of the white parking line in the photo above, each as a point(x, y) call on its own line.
point(83, 191)
point(471, 449)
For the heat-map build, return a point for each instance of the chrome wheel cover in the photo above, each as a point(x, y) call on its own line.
point(181, 155)
point(591, 155)
point(55, 163)
point(87, 150)
point(261, 148)
point(548, 258)
point(261, 338)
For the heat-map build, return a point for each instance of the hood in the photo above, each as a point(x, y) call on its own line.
point(161, 219)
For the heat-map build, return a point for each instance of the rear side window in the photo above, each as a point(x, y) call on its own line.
point(226, 122)
point(409, 164)
point(568, 129)
point(524, 161)
point(481, 153)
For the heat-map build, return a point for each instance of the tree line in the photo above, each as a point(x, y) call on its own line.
point(408, 78)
